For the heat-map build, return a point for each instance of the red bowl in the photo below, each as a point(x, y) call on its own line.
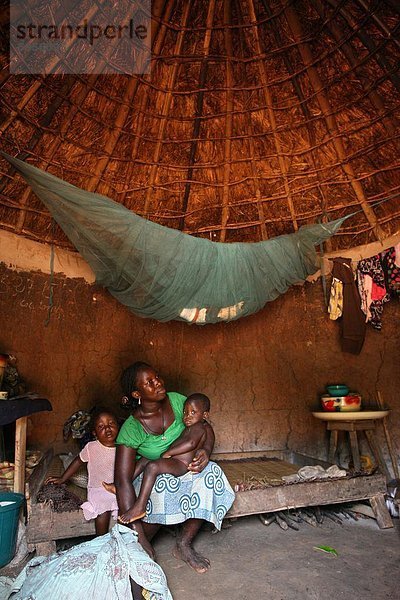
point(351, 402)
point(330, 404)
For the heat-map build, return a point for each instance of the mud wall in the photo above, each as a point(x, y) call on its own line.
point(263, 374)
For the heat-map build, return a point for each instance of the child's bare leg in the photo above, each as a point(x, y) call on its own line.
point(153, 468)
point(102, 523)
point(139, 468)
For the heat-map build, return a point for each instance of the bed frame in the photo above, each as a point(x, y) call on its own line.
point(45, 526)
point(308, 493)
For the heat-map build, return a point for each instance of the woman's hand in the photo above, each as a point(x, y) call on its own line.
point(200, 461)
point(202, 456)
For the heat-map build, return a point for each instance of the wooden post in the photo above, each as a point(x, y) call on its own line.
point(393, 456)
point(333, 446)
point(381, 512)
point(354, 450)
point(370, 435)
point(45, 548)
point(20, 448)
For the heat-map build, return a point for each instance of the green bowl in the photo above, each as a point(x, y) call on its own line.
point(337, 390)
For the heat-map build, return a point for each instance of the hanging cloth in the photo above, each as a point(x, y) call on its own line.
point(165, 274)
point(390, 260)
point(371, 278)
point(335, 307)
point(352, 321)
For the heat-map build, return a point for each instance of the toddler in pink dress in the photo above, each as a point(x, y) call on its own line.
point(100, 458)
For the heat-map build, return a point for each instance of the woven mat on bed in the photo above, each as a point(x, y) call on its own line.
point(267, 471)
point(64, 498)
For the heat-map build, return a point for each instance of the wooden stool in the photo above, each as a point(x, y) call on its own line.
point(353, 427)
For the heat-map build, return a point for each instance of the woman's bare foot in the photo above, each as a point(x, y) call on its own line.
point(110, 487)
point(133, 514)
point(187, 553)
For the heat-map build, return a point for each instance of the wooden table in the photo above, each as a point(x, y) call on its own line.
point(18, 409)
point(354, 423)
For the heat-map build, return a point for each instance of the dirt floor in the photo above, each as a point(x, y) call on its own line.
point(250, 560)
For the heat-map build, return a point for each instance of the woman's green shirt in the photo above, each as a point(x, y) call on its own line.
point(149, 445)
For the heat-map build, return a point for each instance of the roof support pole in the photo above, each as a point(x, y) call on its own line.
point(228, 119)
point(199, 111)
point(330, 120)
point(304, 108)
point(158, 35)
point(166, 106)
point(375, 98)
point(271, 116)
point(50, 67)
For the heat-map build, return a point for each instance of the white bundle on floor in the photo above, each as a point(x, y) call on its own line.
point(99, 568)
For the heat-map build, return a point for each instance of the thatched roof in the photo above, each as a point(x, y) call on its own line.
point(258, 116)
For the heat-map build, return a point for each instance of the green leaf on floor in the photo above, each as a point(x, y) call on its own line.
point(327, 549)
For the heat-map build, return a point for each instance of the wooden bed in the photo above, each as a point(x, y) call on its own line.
point(307, 493)
point(45, 526)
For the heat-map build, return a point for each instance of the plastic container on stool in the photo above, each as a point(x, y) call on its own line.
point(10, 506)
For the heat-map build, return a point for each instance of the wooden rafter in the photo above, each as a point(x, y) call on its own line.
point(51, 150)
point(381, 25)
point(307, 116)
point(390, 123)
point(271, 116)
point(167, 105)
point(121, 116)
point(199, 111)
point(254, 174)
point(370, 45)
point(115, 133)
point(331, 124)
point(158, 35)
point(228, 119)
point(50, 66)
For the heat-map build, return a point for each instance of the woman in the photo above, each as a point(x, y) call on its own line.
point(202, 494)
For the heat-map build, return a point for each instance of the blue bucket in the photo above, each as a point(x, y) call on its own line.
point(10, 506)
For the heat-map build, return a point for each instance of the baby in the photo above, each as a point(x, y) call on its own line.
point(176, 459)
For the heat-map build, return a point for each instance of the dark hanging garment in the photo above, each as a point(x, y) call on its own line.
point(352, 321)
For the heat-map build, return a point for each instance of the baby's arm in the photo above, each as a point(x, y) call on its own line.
point(192, 438)
point(73, 468)
point(202, 455)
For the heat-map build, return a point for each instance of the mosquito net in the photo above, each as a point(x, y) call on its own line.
point(165, 274)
